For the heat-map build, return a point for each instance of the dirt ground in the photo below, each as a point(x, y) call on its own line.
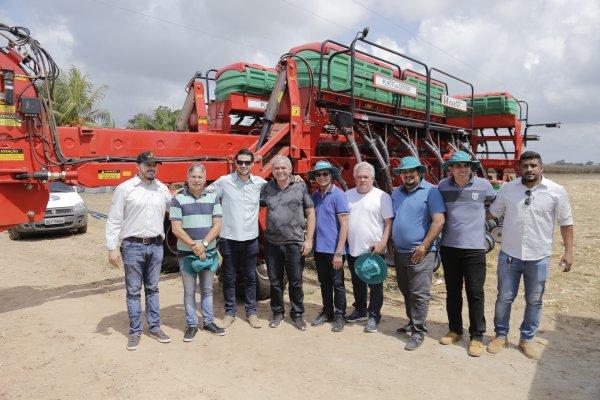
point(63, 330)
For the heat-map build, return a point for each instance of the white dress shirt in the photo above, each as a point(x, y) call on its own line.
point(240, 203)
point(137, 210)
point(527, 229)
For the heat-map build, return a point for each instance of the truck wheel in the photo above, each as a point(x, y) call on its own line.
point(82, 229)
point(13, 234)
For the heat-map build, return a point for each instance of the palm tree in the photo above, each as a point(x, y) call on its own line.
point(163, 118)
point(74, 100)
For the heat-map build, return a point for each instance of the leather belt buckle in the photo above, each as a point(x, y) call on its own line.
point(148, 240)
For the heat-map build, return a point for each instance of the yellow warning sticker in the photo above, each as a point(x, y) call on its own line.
point(279, 96)
point(7, 116)
point(126, 173)
point(295, 111)
point(7, 109)
point(109, 174)
point(12, 155)
point(202, 121)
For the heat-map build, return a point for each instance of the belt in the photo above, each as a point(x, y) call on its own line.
point(151, 240)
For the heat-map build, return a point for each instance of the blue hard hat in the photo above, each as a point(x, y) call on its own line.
point(371, 268)
point(461, 157)
point(410, 162)
point(324, 165)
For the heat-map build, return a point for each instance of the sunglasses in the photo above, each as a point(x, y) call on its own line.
point(246, 163)
point(318, 174)
point(528, 199)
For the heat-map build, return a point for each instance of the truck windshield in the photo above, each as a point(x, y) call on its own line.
point(59, 187)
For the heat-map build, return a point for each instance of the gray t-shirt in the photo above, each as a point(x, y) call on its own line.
point(285, 211)
point(465, 212)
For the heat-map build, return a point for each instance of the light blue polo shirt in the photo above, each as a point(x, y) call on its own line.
point(327, 209)
point(412, 215)
point(465, 212)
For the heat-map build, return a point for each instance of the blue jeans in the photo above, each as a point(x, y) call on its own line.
point(239, 256)
point(534, 275)
point(206, 279)
point(142, 265)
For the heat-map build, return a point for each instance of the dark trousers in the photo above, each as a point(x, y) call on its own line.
point(239, 256)
point(285, 259)
point(333, 290)
point(468, 266)
point(360, 294)
point(414, 281)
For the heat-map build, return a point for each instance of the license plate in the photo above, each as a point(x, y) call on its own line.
point(54, 221)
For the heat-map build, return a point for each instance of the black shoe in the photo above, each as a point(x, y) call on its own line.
point(356, 316)
point(133, 341)
point(321, 319)
point(299, 323)
point(214, 329)
point(414, 343)
point(190, 332)
point(160, 336)
point(338, 324)
point(276, 320)
point(408, 328)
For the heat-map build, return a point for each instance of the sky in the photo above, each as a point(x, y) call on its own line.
point(546, 52)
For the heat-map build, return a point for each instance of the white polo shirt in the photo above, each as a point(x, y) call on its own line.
point(366, 219)
point(527, 229)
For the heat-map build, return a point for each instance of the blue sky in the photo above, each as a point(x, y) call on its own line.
point(545, 52)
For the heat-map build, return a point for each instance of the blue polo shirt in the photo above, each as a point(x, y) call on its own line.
point(412, 215)
point(327, 229)
point(465, 212)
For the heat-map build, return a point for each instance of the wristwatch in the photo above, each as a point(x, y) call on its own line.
point(204, 243)
point(338, 254)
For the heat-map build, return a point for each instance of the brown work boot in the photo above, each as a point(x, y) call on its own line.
point(451, 337)
point(496, 345)
point(475, 348)
point(253, 321)
point(227, 321)
point(529, 349)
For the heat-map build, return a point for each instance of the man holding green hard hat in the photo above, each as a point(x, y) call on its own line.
point(196, 221)
point(418, 220)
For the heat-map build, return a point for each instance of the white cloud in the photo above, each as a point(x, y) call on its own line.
point(543, 51)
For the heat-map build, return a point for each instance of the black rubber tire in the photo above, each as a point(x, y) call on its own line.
point(263, 287)
point(13, 234)
point(490, 243)
point(82, 229)
point(169, 262)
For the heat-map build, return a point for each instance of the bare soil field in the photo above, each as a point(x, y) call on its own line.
point(63, 330)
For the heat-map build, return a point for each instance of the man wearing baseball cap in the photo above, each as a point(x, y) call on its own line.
point(134, 235)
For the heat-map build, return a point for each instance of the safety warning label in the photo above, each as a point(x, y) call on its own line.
point(109, 174)
point(12, 155)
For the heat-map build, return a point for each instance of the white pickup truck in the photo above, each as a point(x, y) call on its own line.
point(66, 211)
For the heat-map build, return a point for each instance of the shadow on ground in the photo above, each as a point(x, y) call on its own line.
point(576, 360)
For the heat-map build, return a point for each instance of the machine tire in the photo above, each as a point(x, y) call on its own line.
point(263, 287)
point(490, 243)
point(13, 234)
point(169, 262)
point(82, 229)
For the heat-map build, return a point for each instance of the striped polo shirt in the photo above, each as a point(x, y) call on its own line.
point(465, 212)
point(196, 216)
